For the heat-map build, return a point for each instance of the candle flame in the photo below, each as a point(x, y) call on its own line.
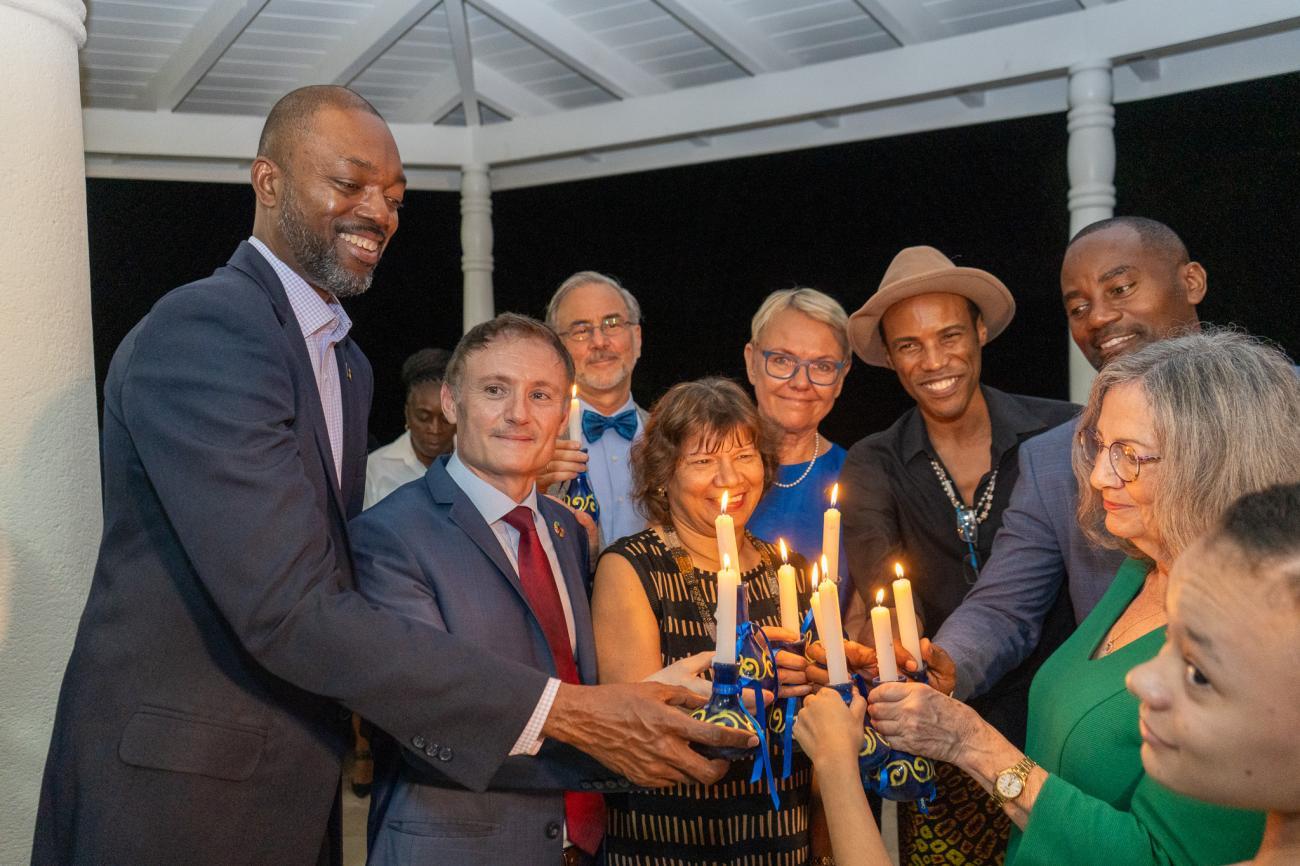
point(835, 494)
point(785, 556)
point(898, 569)
point(725, 494)
point(880, 597)
point(814, 576)
point(573, 392)
point(726, 561)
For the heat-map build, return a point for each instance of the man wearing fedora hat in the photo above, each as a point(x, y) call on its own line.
point(929, 491)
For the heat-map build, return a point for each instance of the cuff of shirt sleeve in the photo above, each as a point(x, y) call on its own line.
point(530, 741)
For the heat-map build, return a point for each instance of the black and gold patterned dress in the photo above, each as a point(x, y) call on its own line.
point(731, 823)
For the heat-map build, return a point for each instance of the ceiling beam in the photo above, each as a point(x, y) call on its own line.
point(571, 45)
point(1044, 48)
point(458, 30)
point(214, 32)
point(729, 32)
point(907, 21)
point(387, 22)
point(432, 102)
point(506, 96)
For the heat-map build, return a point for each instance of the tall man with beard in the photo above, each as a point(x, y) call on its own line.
point(600, 324)
point(202, 715)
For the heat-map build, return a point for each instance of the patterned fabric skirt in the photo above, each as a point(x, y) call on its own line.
point(964, 828)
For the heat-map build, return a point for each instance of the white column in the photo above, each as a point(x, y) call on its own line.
point(1091, 123)
point(49, 458)
point(476, 243)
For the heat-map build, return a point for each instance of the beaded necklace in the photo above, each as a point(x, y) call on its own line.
point(817, 444)
point(686, 567)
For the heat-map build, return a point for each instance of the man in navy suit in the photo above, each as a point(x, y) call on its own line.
point(1125, 282)
point(204, 710)
point(452, 549)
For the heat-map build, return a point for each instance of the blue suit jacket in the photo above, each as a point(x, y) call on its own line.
point(1039, 548)
point(426, 552)
point(202, 711)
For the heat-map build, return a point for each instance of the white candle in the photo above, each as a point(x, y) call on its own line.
point(788, 586)
point(728, 582)
point(884, 633)
point(836, 666)
point(831, 538)
point(575, 417)
point(814, 604)
point(725, 528)
point(908, 627)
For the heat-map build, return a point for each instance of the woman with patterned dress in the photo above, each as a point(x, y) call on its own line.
point(652, 605)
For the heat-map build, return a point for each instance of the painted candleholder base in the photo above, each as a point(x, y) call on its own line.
point(726, 710)
point(784, 710)
point(904, 776)
point(874, 751)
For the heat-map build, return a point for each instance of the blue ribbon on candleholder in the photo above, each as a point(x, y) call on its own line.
point(746, 635)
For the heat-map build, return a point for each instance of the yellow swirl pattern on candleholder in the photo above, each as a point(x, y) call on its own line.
point(919, 769)
point(724, 718)
point(778, 720)
point(871, 742)
point(756, 668)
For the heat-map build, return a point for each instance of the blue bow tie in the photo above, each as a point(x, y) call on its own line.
point(595, 424)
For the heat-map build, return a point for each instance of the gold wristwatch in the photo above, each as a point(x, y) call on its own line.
point(1010, 783)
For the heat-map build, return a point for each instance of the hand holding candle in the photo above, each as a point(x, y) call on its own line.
point(786, 583)
point(883, 630)
point(575, 416)
point(725, 617)
point(908, 628)
point(831, 539)
point(725, 528)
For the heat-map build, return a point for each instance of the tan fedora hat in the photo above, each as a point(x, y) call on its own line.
point(920, 271)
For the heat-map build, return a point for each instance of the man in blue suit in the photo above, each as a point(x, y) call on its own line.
point(453, 550)
point(1125, 282)
point(204, 710)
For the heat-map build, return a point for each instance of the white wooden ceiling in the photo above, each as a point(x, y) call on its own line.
point(551, 90)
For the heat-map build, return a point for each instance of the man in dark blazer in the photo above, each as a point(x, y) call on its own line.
point(442, 550)
point(1125, 283)
point(202, 715)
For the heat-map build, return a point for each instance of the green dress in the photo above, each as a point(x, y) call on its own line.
point(1098, 805)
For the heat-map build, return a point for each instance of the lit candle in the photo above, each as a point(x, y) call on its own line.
point(836, 666)
point(815, 604)
point(725, 528)
point(831, 539)
point(884, 633)
point(575, 417)
point(908, 630)
point(786, 582)
point(728, 582)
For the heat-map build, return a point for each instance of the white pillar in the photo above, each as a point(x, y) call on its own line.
point(1091, 158)
point(476, 243)
point(49, 458)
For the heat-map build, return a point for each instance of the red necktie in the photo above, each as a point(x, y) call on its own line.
point(584, 814)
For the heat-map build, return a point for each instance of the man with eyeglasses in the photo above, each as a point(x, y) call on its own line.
point(929, 491)
point(600, 324)
point(1126, 282)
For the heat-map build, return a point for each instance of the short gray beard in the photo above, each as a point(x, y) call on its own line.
point(318, 258)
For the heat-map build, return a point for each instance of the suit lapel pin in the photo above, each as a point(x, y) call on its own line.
point(559, 530)
point(349, 369)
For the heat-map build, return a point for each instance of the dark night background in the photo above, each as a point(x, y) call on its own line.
point(701, 246)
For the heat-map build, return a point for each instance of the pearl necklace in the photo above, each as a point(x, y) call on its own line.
point(817, 443)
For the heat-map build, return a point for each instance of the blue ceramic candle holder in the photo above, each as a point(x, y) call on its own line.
point(726, 710)
point(784, 710)
point(874, 752)
point(904, 776)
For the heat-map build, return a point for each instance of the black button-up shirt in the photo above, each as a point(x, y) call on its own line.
point(894, 509)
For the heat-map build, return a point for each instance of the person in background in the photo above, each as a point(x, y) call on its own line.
point(600, 324)
point(428, 432)
point(1172, 435)
point(652, 606)
point(929, 493)
point(1218, 711)
point(1125, 283)
point(796, 359)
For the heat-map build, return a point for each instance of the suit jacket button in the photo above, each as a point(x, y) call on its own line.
point(444, 754)
point(418, 741)
point(431, 750)
point(585, 784)
point(553, 830)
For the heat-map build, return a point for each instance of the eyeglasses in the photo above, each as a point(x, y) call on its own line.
point(1126, 462)
point(779, 365)
point(610, 326)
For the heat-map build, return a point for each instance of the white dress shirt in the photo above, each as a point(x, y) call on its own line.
point(391, 466)
point(610, 470)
